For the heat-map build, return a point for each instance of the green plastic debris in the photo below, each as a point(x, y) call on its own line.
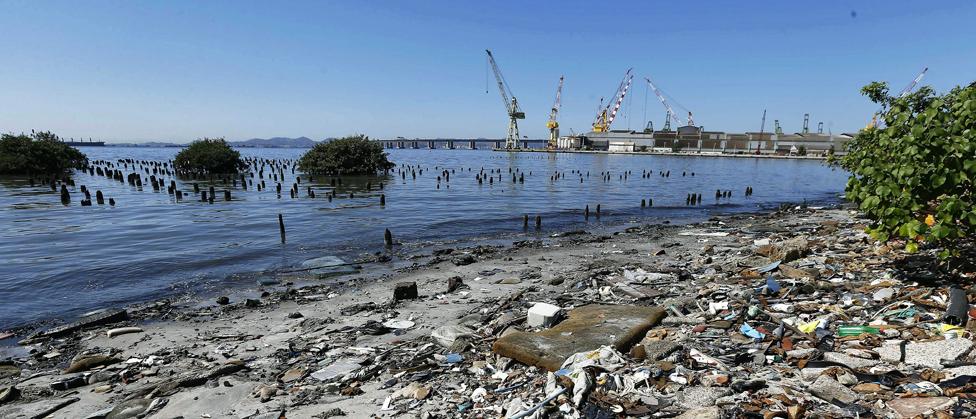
point(857, 330)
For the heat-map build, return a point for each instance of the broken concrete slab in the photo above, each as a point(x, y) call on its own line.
point(849, 361)
point(920, 406)
point(829, 389)
point(925, 354)
point(586, 328)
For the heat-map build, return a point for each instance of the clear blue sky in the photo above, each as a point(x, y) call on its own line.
point(179, 70)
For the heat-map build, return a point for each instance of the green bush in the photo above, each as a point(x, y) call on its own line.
point(38, 154)
point(355, 155)
point(210, 156)
point(913, 175)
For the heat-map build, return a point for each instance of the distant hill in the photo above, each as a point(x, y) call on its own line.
point(282, 142)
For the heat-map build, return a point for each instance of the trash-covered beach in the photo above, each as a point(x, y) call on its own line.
point(796, 313)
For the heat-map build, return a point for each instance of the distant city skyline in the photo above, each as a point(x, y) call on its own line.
point(180, 70)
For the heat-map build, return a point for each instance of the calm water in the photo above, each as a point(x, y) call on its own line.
point(59, 261)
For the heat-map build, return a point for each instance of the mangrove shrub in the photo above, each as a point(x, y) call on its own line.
point(38, 154)
point(355, 155)
point(913, 173)
point(210, 156)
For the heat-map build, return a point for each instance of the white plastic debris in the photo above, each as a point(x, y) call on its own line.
point(543, 315)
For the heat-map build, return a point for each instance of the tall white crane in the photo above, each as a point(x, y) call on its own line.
point(511, 105)
point(553, 122)
point(605, 116)
point(660, 96)
point(904, 92)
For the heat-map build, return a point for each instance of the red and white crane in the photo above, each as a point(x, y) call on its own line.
point(605, 116)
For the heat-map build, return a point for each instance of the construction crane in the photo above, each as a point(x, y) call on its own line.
point(511, 105)
point(904, 92)
point(553, 123)
point(606, 115)
point(672, 116)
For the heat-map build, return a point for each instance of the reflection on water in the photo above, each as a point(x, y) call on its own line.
point(61, 260)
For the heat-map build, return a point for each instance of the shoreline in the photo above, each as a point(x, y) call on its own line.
point(351, 346)
point(670, 154)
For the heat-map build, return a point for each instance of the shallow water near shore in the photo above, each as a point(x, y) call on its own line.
point(60, 261)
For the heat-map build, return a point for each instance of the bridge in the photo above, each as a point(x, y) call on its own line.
point(458, 143)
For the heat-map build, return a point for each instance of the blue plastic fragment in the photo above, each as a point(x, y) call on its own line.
point(454, 358)
point(771, 285)
point(769, 267)
point(747, 330)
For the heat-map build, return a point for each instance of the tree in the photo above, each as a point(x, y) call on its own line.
point(353, 155)
point(208, 156)
point(38, 154)
point(913, 176)
point(801, 150)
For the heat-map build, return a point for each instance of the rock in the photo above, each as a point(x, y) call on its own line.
point(130, 409)
point(8, 393)
point(295, 315)
point(794, 273)
point(36, 410)
point(265, 393)
point(453, 283)
point(328, 266)
point(8, 370)
point(867, 388)
point(712, 412)
point(829, 389)
point(101, 376)
point(587, 328)
point(465, 259)
point(86, 363)
point(405, 291)
point(293, 374)
point(695, 397)
point(509, 281)
point(223, 300)
point(926, 354)
point(786, 251)
point(252, 303)
point(920, 406)
point(655, 350)
point(849, 361)
point(413, 391)
point(543, 315)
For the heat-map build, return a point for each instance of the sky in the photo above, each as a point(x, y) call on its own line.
point(131, 71)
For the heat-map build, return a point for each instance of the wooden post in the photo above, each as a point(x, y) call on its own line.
point(281, 227)
point(525, 221)
point(538, 222)
point(382, 199)
point(388, 238)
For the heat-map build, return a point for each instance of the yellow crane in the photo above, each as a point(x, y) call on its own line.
point(553, 123)
point(606, 115)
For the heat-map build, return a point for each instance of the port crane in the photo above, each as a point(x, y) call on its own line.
point(511, 105)
point(606, 115)
point(672, 116)
point(553, 123)
point(904, 92)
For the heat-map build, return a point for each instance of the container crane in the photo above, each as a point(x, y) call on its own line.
point(553, 123)
point(511, 105)
point(606, 115)
point(904, 92)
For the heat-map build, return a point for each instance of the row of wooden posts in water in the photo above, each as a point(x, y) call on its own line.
point(278, 167)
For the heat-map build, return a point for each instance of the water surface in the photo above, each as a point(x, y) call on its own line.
point(59, 261)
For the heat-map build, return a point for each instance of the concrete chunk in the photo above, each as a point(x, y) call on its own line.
point(829, 389)
point(926, 354)
point(586, 328)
